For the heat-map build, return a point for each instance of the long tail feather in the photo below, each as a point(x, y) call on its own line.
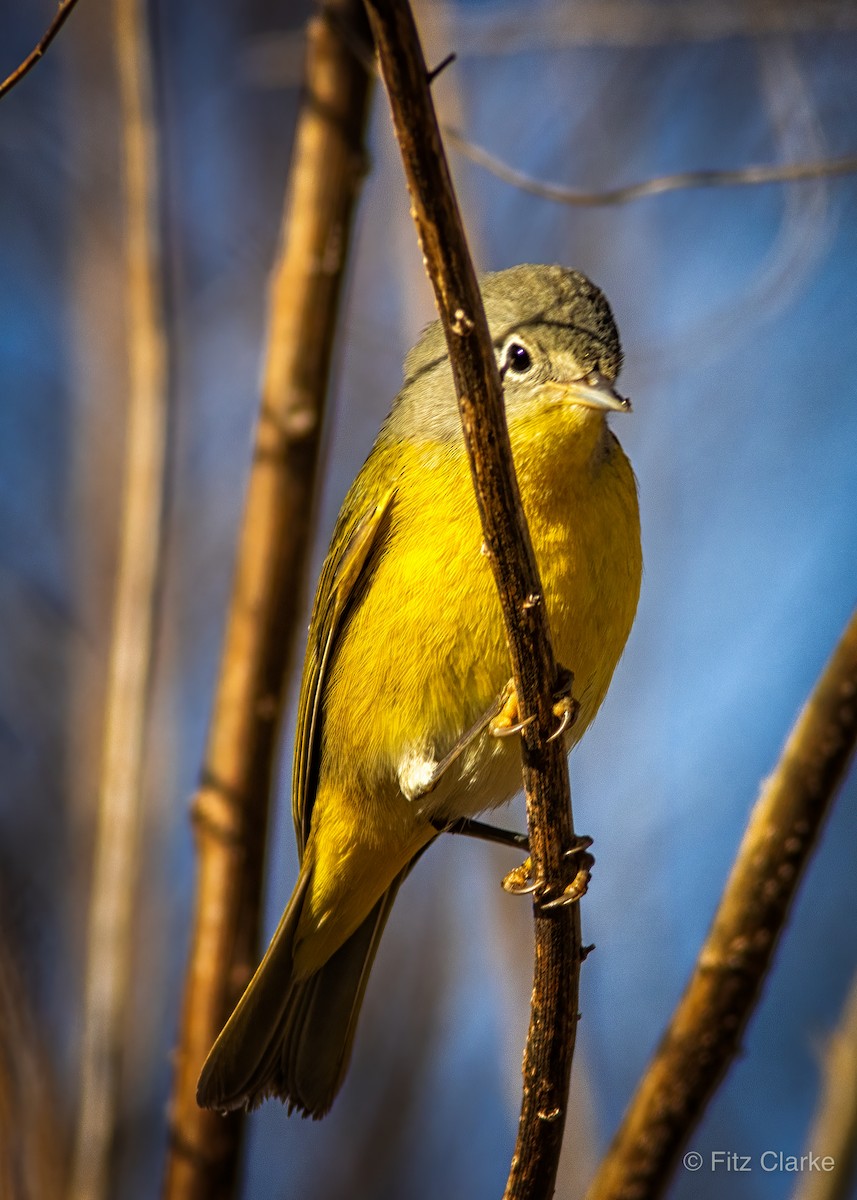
point(290, 1037)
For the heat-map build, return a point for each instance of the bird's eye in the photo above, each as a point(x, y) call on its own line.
point(517, 359)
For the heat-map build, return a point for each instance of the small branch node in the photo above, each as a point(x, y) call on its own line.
point(551, 1114)
point(462, 324)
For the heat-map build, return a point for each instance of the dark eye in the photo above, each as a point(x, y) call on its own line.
point(517, 358)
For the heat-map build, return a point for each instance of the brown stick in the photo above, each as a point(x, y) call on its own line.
point(705, 1032)
point(60, 17)
point(550, 1044)
point(230, 809)
point(117, 849)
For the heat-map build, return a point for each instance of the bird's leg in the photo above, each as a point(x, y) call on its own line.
point(507, 720)
point(460, 745)
point(520, 881)
point(501, 720)
point(488, 833)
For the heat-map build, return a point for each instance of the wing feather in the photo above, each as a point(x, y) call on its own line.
point(356, 541)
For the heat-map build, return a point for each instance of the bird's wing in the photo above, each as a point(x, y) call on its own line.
point(346, 570)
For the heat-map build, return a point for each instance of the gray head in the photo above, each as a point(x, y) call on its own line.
point(551, 328)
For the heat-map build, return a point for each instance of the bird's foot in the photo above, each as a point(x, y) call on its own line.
point(580, 858)
point(520, 881)
point(565, 708)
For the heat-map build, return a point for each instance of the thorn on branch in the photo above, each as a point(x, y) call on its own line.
point(431, 76)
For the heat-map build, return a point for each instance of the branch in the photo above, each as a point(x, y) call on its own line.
point(740, 177)
point(230, 809)
point(834, 1130)
point(60, 18)
point(111, 915)
point(705, 1032)
point(112, 903)
point(32, 1162)
point(553, 1022)
point(268, 54)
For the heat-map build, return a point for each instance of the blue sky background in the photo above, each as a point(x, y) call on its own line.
point(738, 315)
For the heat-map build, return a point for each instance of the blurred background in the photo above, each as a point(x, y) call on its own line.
point(737, 309)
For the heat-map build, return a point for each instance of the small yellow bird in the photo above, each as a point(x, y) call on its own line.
point(407, 654)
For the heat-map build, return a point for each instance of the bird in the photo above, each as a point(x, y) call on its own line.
point(404, 695)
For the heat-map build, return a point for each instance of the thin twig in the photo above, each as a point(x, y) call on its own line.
point(550, 1044)
point(739, 177)
point(230, 809)
point(111, 918)
point(31, 1142)
point(485, 31)
point(271, 52)
point(705, 1032)
point(834, 1130)
point(60, 18)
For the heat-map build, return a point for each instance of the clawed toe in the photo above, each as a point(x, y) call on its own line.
point(573, 892)
point(519, 881)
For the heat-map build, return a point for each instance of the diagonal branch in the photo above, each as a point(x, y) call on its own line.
point(705, 1032)
point(550, 1044)
point(60, 17)
point(230, 809)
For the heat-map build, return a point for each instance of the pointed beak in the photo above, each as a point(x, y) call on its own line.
point(596, 391)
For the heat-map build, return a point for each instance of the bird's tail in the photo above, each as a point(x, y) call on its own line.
point(291, 1037)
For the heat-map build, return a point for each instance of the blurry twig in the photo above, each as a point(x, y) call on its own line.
point(495, 30)
point(60, 18)
point(498, 29)
point(111, 915)
point(834, 1129)
point(265, 58)
point(740, 177)
point(231, 806)
point(704, 1034)
point(551, 1038)
point(31, 1141)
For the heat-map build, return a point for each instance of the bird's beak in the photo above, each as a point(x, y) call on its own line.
point(596, 391)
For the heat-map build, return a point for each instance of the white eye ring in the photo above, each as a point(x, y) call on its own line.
point(516, 358)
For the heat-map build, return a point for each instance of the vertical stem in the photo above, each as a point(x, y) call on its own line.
point(116, 852)
point(231, 807)
point(553, 1023)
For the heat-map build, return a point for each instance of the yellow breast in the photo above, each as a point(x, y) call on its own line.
point(429, 630)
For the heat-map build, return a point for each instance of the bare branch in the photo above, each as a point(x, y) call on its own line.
point(266, 57)
point(111, 917)
point(231, 807)
point(32, 1162)
point(551, 1038)
point(705, 1032)
point(60, 18)
point(740, 177)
